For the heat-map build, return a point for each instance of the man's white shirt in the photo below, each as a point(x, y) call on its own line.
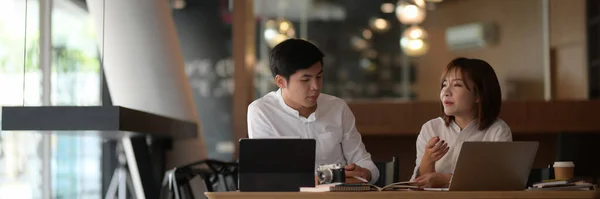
point(332, 125)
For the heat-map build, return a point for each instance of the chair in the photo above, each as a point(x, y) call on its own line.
point(388, 172)
point(216, 175)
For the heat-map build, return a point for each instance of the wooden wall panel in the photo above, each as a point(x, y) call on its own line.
point(244, 60)
point(524, 117)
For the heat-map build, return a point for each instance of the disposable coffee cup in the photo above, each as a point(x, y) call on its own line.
point(563, 170)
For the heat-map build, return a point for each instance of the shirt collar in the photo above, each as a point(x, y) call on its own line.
point(312, 117)
point(456, 128)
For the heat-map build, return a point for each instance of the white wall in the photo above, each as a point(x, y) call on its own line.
point(144, 67)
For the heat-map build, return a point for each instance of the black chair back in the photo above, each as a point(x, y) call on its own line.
point(217, 176)
point(388, 172)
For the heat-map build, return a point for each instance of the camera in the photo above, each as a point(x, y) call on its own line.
point(331, 173)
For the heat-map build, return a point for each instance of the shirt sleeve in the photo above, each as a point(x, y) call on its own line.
point(503, 133)
point(258, 123)
point(353, 147)
point(421, 142)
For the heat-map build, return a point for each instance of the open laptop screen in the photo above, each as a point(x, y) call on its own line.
point(493, 166)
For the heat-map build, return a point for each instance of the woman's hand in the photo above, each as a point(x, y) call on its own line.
point(435, 149)
point(433, 180)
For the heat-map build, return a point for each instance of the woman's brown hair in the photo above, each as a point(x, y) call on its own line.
point(485, 87)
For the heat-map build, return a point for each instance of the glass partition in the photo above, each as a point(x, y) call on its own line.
point(74, 162)
point(20, 85)
point(75, 81)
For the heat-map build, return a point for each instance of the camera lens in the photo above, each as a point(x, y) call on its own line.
point(325, 176)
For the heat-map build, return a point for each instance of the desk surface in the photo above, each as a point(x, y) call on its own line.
point(404, 194)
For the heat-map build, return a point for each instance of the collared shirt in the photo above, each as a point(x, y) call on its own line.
point(497, 132)
point(331, 125)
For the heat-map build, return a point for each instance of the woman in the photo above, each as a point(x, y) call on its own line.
point(470, 96)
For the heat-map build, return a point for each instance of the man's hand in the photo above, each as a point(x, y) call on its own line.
point(435, 149)
point(355, 170)
point(433, 180)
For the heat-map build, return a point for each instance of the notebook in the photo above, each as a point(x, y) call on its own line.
point(339, 187)
point(584, 186)
point(562, 185)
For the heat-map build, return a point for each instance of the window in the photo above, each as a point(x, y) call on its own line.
point(75, 81)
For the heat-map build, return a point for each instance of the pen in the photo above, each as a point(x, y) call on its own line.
point(360, 178)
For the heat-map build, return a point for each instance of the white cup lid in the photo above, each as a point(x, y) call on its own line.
point(564, 164)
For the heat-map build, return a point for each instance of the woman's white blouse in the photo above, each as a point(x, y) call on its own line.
point(497, 132)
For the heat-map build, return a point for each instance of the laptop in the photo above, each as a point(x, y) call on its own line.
point(493, 166)
point(276, 165)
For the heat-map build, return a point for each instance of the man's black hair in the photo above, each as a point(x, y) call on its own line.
point(292, 55)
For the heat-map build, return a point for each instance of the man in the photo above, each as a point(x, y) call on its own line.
point(299, 109)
